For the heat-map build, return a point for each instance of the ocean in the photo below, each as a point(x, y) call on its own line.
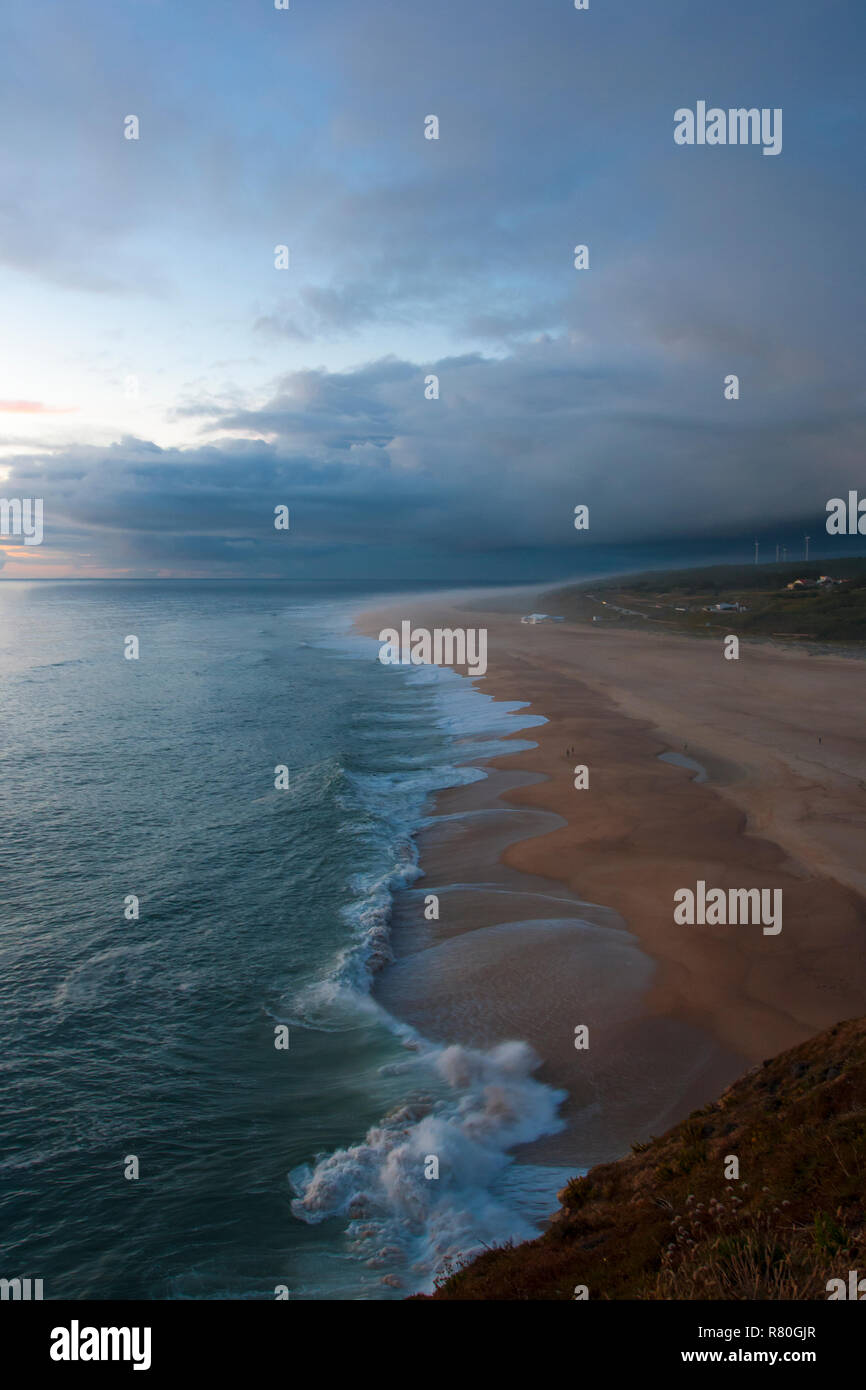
point(155, 1142)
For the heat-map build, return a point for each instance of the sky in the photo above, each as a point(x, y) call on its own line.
point(164, 385)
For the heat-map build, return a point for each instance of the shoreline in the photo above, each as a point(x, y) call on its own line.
point(574, 922)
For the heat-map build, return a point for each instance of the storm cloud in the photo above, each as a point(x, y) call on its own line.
point(451, 258)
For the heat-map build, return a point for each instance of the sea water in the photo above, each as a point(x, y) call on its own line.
point(152, 1037)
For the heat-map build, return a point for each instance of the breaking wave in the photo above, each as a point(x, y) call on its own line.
point(419, 1191)
point(469, 1106)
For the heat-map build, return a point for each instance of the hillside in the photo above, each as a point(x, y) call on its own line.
point(665, 1223)
point(679, 599)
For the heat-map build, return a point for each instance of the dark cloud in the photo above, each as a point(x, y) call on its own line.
point(602, 386)
point(497, 463)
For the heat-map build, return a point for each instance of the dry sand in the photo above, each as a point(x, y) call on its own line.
point(557, 903)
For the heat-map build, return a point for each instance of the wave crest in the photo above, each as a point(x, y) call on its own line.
point(402, 1217)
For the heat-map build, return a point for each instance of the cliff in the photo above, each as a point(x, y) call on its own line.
point(671, 1222)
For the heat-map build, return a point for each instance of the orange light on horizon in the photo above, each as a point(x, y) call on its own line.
point(35, 408)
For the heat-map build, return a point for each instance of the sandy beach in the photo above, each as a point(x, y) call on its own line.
point(557, 903)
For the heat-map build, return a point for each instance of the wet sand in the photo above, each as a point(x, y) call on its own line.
point(556, 904)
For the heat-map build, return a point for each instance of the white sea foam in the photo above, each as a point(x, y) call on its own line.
point(417, 1226)
point(475, 1105)
point(391, 806)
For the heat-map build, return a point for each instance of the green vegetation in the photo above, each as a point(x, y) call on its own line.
point(666, 1223)
point(677, 600)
